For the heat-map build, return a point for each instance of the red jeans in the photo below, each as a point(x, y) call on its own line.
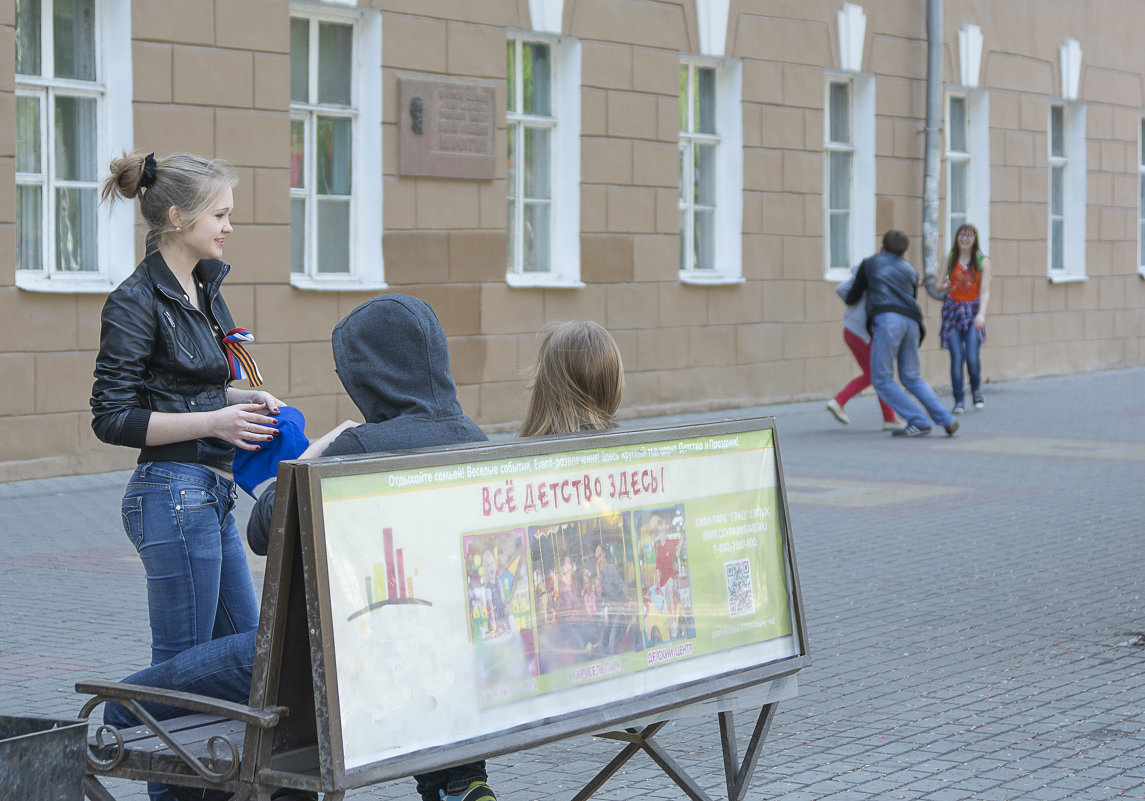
point(862, 352)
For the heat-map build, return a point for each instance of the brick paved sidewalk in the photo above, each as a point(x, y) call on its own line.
point(974, 607)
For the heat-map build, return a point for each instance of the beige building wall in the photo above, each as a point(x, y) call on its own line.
point(213, 78)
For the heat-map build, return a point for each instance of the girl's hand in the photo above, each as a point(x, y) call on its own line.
point(271, 403)
point(941, 284)
point(242, 426)
point(980, 321)
point(255, 396)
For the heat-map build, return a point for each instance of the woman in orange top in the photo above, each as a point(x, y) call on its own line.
point(967, 287)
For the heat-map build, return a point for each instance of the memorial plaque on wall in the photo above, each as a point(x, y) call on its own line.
point(447, 129)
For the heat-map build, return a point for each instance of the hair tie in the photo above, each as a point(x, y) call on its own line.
point(147, 178)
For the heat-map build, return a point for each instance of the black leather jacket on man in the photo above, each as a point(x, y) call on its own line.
point(158, 353)
point(891, 285)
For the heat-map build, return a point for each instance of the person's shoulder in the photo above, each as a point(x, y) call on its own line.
point(137, 281)
point(136, 290)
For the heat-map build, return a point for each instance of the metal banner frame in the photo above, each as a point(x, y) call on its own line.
point(306, 749)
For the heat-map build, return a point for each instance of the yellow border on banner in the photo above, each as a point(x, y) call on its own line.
point(343, 488)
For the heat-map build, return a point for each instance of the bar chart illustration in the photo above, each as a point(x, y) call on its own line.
point(389, 585)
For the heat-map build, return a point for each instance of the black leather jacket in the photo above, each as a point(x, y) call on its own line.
point(158, 353)
point(891, 285)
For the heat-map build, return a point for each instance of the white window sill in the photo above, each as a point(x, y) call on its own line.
point(1067, 278)
point(710, 278)
point(542, 281)
point(837, 275)
point(339, 284)
point(94, 284)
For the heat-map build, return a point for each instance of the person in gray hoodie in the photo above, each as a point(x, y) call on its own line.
point(392, 357)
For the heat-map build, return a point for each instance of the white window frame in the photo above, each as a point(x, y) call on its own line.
point(977, 159)
point(112, 89)
point(862, 236)
point(1072, 162)
point(564, 177)
point(728, 139)
point(1141, 198)
point(955, 158)
point(367, 268)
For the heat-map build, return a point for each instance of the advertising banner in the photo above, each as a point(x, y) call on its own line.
point(474, 598)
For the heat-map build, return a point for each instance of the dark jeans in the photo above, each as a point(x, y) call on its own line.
point(964, 349)
point(222, 669)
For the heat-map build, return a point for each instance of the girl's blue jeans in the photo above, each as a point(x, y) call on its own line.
point(178, 517)
point(965, 349)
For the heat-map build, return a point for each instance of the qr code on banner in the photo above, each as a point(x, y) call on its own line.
point(741, 600)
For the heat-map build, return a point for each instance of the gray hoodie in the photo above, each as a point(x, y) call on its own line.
point(393, 359)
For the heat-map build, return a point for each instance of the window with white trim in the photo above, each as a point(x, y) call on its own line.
point(840, 157)
point(849, 191)
point(71, 86)
point(711, 171)
point(1141, 199)
point(1058, 163)
point(967, 164)
point(542, 115)
point(957, 165)
point(1067, 195)
point(335, 148)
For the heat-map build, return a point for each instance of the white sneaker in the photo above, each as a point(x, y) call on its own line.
point(894, 425)
point(834, 408)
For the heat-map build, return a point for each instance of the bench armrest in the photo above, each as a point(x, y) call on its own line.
point(117, 691)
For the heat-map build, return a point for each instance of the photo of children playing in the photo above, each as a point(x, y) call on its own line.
point(584, 590)
point(667, 594)
point(500, 615)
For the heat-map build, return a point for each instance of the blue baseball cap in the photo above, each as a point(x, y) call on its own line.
point(254, 467)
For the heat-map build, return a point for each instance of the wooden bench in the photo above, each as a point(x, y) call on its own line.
point(200, 750)
point(297, 732)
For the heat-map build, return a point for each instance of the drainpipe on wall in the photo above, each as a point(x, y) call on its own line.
point(933, 145)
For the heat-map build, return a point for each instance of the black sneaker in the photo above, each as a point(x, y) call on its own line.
point(950, 429)
point(478, 791)
point(911, 431)
point(979, 401)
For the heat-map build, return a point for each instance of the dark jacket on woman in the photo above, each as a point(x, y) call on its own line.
point(393, 359)
point(891, 285)
point(158, 353)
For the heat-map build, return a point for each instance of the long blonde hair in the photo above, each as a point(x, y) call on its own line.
point(577, 383)
point(188, 182)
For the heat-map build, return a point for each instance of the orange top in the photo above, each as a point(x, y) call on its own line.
point(964, 283)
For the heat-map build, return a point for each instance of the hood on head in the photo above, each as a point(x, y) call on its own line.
point(393, 359)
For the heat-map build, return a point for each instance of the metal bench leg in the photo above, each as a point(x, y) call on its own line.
point(738, 774)
point(633, 737)
point(94, 791)
point(674, 771)
point(640, 739)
